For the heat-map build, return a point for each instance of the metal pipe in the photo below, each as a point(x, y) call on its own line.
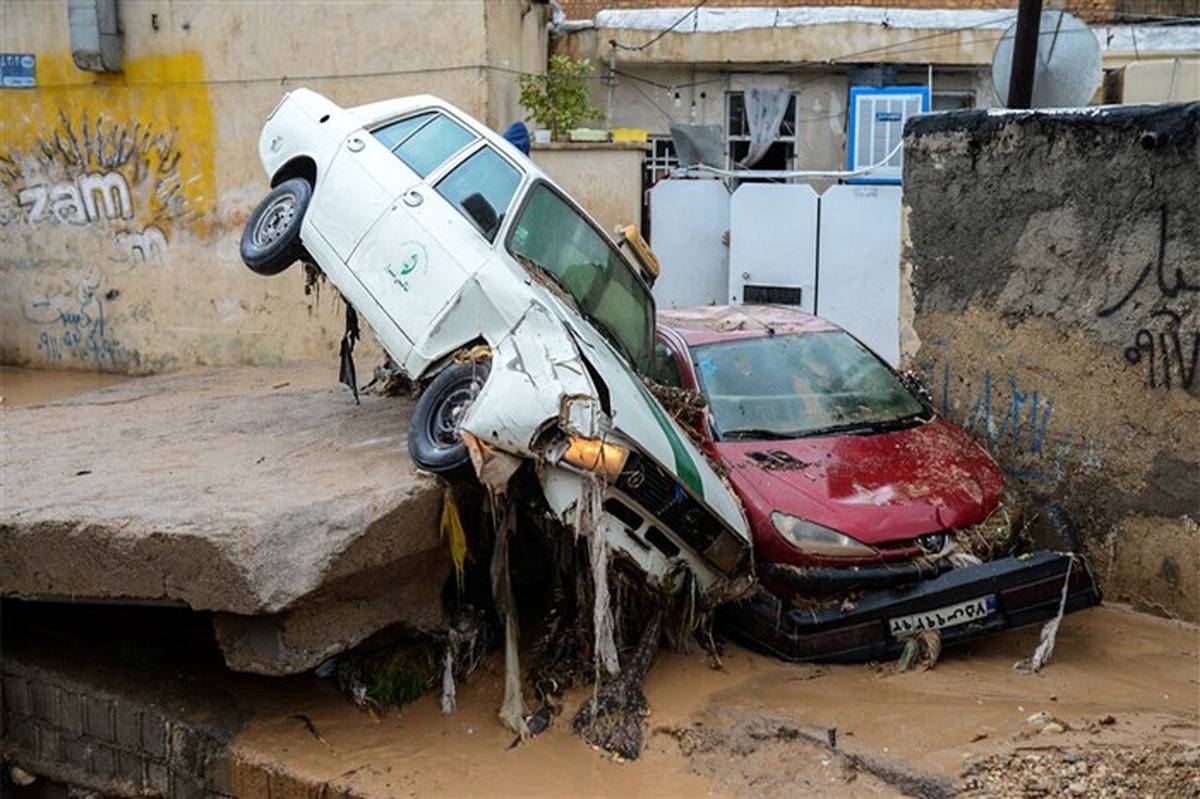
point(1024, 55)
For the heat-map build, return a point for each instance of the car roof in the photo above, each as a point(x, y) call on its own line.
point(705, 324)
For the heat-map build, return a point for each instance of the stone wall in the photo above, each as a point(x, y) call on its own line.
point(1053, 279)
point(123, 195)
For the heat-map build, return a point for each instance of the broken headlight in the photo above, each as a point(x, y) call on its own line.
point(813, 539)
point(602, 457)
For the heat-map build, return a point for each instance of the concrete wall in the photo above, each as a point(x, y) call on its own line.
point(606, 179)
point(151, 279)
point(1053, 305)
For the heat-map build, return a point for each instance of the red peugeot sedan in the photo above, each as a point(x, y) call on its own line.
point(853, 486)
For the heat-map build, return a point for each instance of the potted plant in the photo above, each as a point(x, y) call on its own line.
point(560, 99)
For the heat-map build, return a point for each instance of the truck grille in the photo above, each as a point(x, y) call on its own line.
point(661, 495)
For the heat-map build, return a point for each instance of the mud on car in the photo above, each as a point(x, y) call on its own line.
point(873, 517)
point(527, 328)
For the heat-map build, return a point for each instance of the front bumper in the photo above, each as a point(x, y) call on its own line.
point(1027, 590)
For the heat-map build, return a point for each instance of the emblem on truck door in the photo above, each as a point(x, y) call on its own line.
point(411, 255)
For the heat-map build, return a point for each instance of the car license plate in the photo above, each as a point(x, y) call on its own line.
point(949, 616)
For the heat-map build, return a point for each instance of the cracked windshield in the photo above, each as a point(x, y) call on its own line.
point(792, 386)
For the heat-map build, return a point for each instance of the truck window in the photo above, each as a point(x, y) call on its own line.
point(481, 188)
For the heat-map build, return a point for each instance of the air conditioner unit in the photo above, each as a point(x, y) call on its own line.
point(877, 117)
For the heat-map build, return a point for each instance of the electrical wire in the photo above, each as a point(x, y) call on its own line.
point(674, 25)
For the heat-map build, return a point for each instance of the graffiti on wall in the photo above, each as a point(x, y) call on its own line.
point(101, 179)
point(1166, 344)
point(71, 324)
point(1012, 420)
point(125, 178)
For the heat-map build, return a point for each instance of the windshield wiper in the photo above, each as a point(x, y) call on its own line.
point(756, 434)
point(877, 426)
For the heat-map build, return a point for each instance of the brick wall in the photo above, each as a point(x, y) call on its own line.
point(1090, 10)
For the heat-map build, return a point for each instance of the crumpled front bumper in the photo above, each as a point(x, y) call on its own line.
point(1027, 590)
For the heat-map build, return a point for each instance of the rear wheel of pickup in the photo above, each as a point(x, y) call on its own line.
point(271, 240)
point(433, 439)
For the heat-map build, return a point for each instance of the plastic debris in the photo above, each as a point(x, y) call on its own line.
point(602, 616)
point(1045, 648)
point(452, 530)
point(512, 710)
point(449, 691)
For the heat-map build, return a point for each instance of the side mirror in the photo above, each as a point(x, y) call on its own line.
point(482, 213)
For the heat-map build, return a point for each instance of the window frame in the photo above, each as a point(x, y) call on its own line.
point(793, 139)
point(434, 111)
point(460, 158)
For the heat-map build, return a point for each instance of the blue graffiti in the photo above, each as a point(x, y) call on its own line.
point(77, 327)
point(1015, 423)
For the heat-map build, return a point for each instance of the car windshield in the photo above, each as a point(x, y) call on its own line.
point(559, 241)
point(789, 386)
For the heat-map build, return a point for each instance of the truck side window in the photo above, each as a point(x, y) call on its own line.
point(424, 141)
point(481, 188)
point(395, 133)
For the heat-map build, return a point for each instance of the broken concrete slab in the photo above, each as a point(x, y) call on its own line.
point(263, 494)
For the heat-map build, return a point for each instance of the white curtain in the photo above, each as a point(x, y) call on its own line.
point(764, 112)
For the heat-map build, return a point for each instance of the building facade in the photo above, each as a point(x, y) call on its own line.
point(662, 63)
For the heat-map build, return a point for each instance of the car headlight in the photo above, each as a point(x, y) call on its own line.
point(813, 539)
point(602, 457)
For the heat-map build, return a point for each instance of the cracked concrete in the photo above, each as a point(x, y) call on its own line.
point(264, 495)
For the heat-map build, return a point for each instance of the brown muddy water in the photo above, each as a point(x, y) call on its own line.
point(1141, 670)
point(34, 386)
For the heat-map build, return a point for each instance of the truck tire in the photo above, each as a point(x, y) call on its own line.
point(271, 239)
point(433, 439)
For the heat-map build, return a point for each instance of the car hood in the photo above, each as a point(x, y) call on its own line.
point(878, 488)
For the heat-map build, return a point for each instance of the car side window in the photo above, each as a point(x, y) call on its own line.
point(432, 143)
point(397, 132)
point(481, 188)
point(666, 368)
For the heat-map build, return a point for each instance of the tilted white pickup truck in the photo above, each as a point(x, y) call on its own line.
point(445, 238)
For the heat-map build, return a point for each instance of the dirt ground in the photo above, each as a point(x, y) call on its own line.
point(1115, 713)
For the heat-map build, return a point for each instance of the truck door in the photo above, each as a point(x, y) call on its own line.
point(415, 259)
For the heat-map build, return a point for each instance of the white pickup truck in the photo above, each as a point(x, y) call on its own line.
point(446, 240)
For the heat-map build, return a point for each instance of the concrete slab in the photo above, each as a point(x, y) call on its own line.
point(263, 494)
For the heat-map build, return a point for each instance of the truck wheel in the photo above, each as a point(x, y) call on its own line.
point(271, 240)
point(433, 440)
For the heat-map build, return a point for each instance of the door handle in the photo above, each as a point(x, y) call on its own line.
point(355, 144)
point(412, 198)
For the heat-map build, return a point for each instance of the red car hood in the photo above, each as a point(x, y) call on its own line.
point(877, 488)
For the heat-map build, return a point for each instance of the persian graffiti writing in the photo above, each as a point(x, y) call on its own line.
point(1169, 350)
point(74, 325)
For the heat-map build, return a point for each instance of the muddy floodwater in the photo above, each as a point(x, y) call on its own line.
point(1118, 679)
point(33, 386)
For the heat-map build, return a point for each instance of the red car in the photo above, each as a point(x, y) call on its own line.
point(852, 485)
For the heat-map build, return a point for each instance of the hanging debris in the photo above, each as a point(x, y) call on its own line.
point(613, 719)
